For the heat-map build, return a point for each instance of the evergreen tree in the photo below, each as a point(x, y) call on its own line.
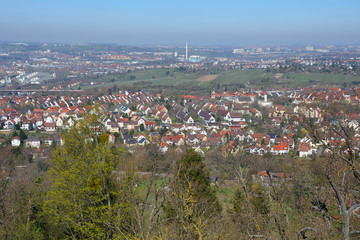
point(31, 126)
point(191, 169)
point(22, 135)
point(192, 201)
point(260, 200)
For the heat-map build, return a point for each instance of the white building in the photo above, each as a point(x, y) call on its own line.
point(33, 141)
point(265, 103)
point(15, 141)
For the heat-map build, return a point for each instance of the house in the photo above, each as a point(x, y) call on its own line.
point(234, 117)
point(15, 141)
point(2, 142)
point(213, 125)
point(166, 119)
point(131, 125)
point(199, 151)
point(235, 127)
point(71, 122)
point(59, 122)
point(354, 124)
point(66, 125)
point(262, 150)
point(276, 121)
point(155, 113)
point(25, 124)
point(141, 121)
point(33, 141)
point(256, 113)
point(163, 147)
point(142, 141)
point(49, 119)
point(9, 124)
point(223, 113)
point(50, 126)
point(149, 125)
point(154, 137)
point(176, 140)
point(192, 140)
point(281, 148)
point(252, 149)
point(60, 141)
point(145, 110)
point(232, 147)
point(111, 138)
point(206, 116)
point(304, 149)
point(186, 118)
point(113, 127)
point(39, 122)
point(263, 176)
point(49, 141)
point(129, 141)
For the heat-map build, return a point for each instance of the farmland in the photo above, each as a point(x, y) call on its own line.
point(249, 78)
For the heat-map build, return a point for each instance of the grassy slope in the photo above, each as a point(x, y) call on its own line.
point(304, 78)
point(240, 76)
point(251, 77)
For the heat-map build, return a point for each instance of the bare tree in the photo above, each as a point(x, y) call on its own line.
point(337, 135)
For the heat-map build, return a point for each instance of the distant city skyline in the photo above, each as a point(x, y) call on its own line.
point(175, 22)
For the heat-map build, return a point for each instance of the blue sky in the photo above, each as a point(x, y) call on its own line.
point(175, 22)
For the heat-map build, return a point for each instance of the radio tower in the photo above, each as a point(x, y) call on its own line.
point(186, 52)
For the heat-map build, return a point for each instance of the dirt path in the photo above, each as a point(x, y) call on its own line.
point(207, 78)
point(278, 75)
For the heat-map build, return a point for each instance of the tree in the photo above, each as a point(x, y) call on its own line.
point(86, 199)
point(168, 106)
point(31, 126)
point(192, 201)
point(132, 131)
point(142, 128)
point(22, 135)
point(338, 137)
point(104, 138)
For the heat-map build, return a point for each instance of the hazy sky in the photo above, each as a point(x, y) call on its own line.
point(222, 22)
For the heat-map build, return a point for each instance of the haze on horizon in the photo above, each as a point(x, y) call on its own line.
point(228, 22)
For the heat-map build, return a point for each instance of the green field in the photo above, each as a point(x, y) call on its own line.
point(250, 78)
point(319, 78)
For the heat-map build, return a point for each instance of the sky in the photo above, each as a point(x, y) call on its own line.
point(174, 22)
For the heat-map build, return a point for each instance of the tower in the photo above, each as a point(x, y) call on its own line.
point(186, 52)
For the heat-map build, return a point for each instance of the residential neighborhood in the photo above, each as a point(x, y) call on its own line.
point(233, 122)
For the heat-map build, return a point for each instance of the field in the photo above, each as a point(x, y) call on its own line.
point(224, 190)
point(318, 78)
point(249, 78)
point(207, 78)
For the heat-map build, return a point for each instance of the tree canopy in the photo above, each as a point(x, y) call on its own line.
point(86, 199)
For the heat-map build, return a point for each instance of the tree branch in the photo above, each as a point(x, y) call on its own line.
point(355, 233)
point(304, 230)
point(354, 208)
point(338, 195)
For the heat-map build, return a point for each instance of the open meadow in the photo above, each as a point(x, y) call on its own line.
point(251, 78)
